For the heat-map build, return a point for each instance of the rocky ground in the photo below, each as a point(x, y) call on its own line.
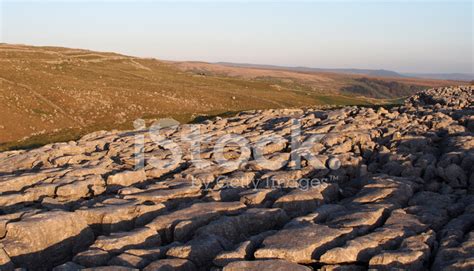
point(402, 198)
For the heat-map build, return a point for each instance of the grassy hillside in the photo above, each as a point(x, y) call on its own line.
point(346, 84)
point(55, 94)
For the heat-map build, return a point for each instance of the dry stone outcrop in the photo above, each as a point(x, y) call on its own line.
point(352, 188)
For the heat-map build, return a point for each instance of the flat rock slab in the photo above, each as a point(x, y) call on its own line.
point(400, 225)
point(46, 239)
point(121, 241)
point(171, 264)
point(197, 215)
point(301, 244)
point(265, 265)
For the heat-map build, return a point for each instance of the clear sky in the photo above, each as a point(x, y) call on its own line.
point(406, 36)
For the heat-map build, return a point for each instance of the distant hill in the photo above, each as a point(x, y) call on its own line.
point(369, 72)
point(379, 84)
point(385, 73)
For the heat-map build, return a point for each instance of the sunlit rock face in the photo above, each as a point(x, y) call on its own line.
point(296, 189)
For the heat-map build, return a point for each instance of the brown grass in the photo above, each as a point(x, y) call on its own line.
point(49, 91)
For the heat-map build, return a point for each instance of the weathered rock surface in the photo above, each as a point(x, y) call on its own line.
point(171, 264)
point(385, 188)
point(301, 244)
point(243, 251)
point(46, 239)
point(270, 265)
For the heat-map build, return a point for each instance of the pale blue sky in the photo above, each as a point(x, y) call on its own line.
point(420, 36)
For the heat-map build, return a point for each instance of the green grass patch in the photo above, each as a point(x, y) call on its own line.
point(342, 100)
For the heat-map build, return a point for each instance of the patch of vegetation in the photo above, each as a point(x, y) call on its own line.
point(202, 118)
point(342, 100)
point(39, 111)
point(381, 89)
point(43, 139)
